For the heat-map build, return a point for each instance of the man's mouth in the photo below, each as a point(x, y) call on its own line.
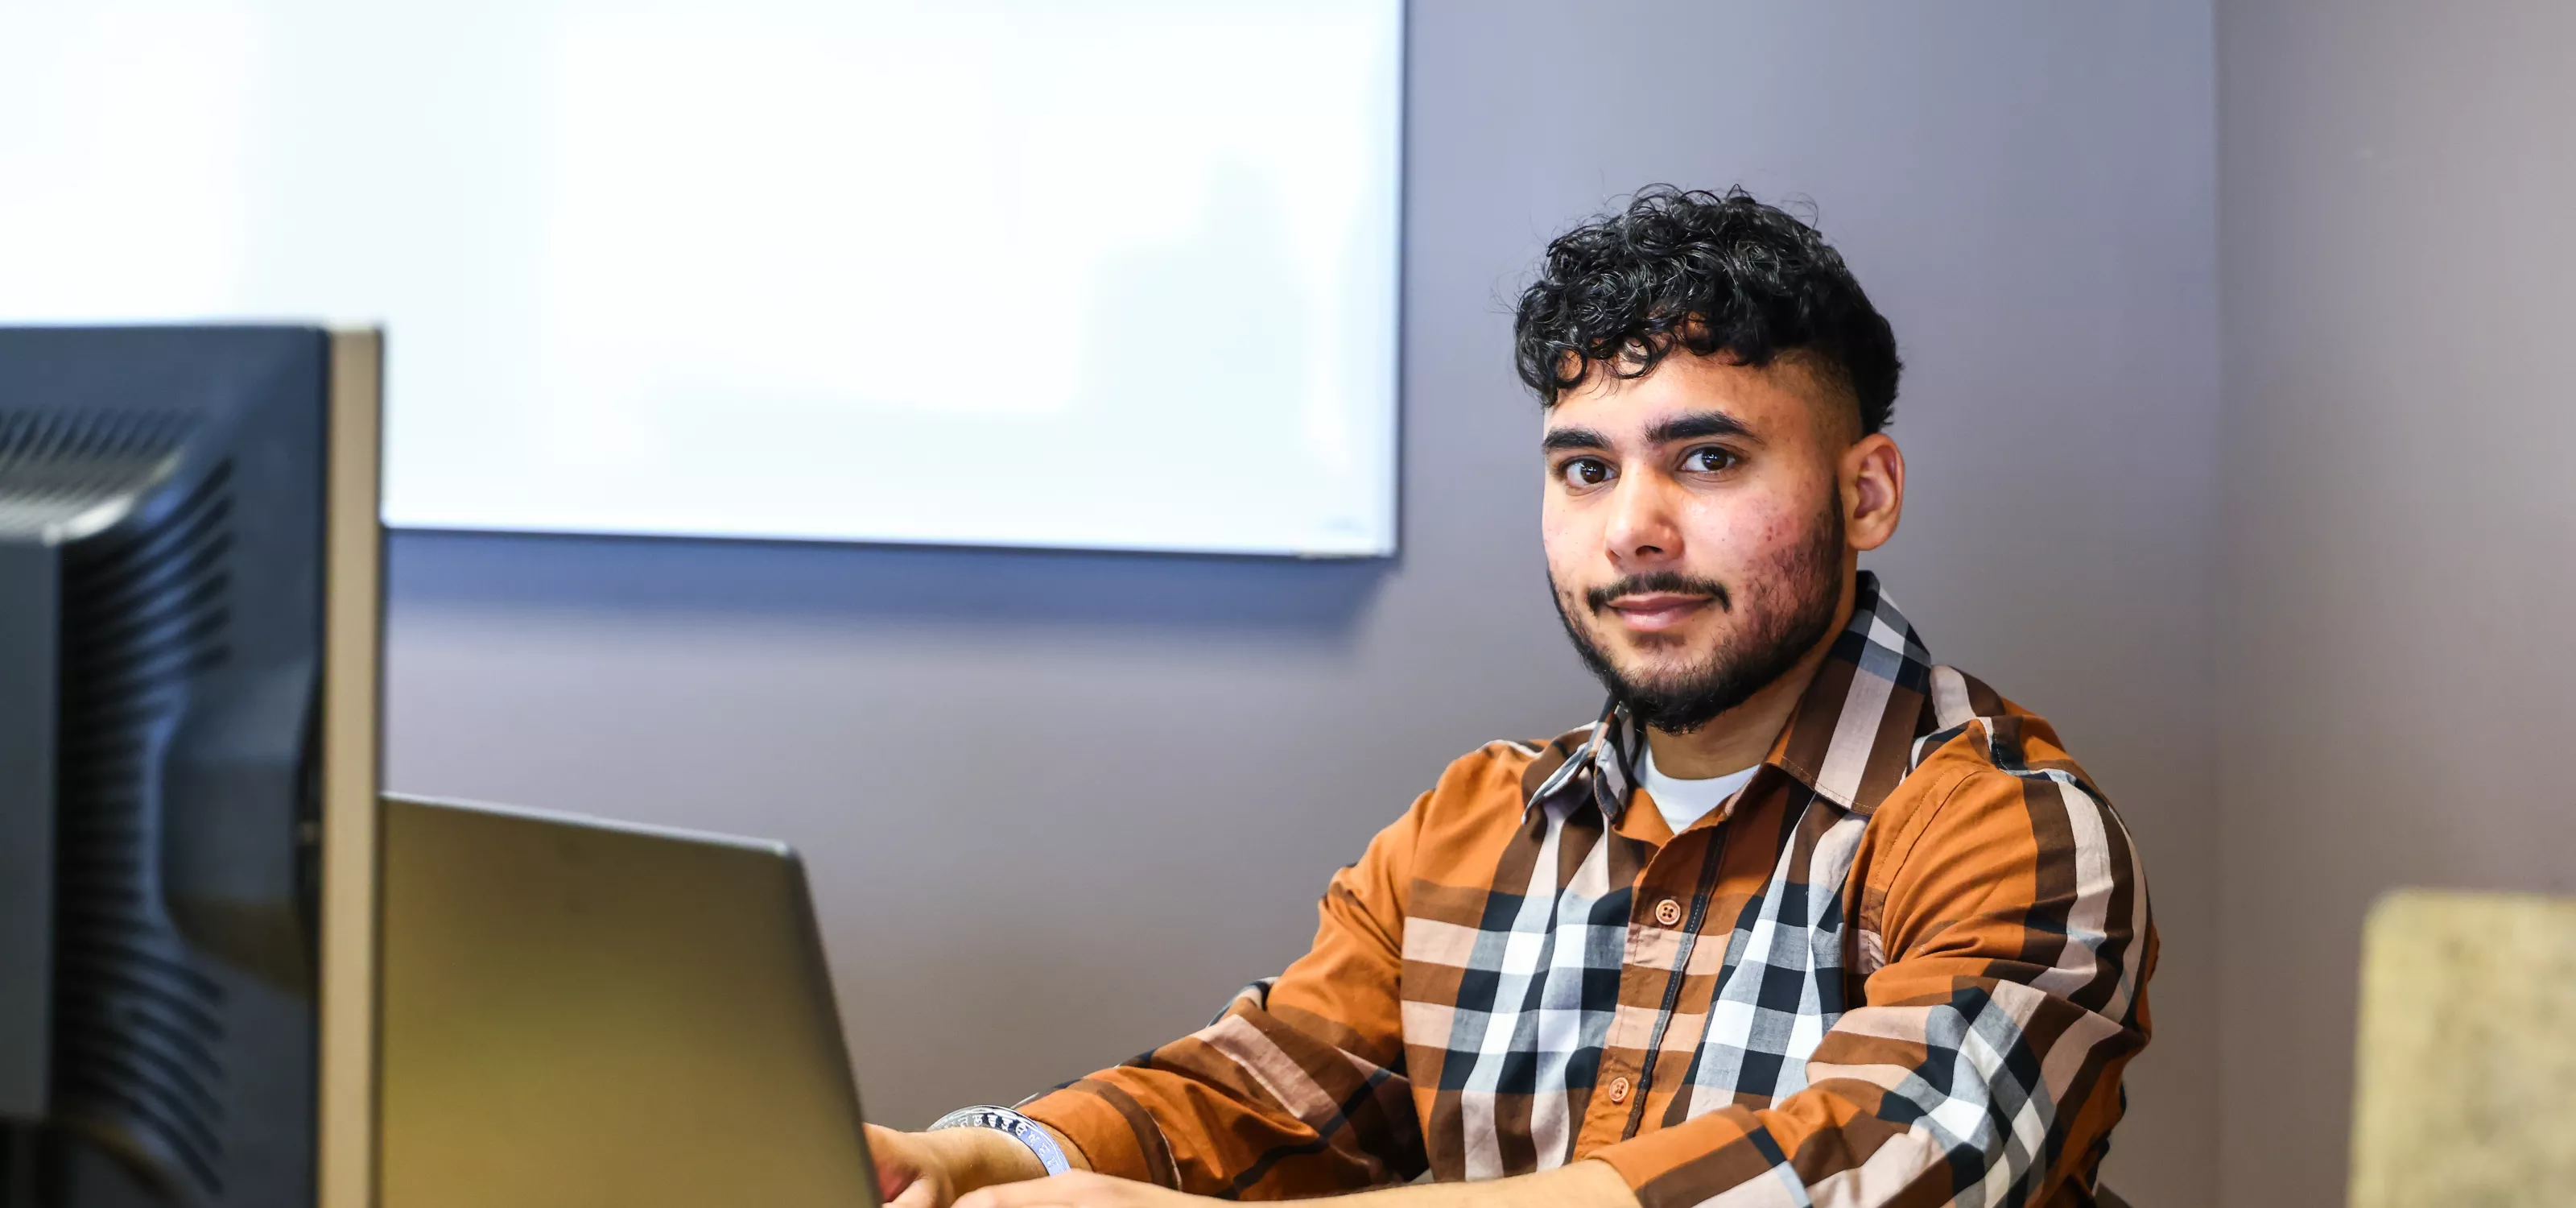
point(1653, 612)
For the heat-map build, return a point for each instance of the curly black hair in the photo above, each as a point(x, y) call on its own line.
point(1705, 272)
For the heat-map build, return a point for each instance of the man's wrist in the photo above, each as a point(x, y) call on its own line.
point(983, 1157)
point(1039, 1140)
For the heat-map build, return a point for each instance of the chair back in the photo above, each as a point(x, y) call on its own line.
point(2465, 1083)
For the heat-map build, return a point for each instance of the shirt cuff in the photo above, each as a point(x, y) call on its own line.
point(1105, 1136)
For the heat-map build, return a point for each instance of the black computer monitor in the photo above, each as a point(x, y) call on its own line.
point(190, 571)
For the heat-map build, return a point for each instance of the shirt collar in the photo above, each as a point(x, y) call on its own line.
point(1849, 739)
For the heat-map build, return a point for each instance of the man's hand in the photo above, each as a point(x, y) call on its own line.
point(931, 1169)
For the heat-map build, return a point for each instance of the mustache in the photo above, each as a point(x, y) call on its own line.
point(1660, 581)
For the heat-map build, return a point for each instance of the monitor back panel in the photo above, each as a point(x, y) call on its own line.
point(190, 586)
point(578, 1013)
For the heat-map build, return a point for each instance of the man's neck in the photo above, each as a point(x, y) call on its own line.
point(1739, 738)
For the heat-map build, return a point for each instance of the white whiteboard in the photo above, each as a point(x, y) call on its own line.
point(1091, 273)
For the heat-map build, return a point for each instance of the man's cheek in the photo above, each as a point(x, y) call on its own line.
point(1560, 543)
point(1747, 539)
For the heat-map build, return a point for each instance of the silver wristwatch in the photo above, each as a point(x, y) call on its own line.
point(1026, 1131)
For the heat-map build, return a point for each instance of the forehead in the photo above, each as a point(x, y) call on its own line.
point(1781, 401)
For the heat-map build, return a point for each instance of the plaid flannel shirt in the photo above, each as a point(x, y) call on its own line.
point(1904, 965)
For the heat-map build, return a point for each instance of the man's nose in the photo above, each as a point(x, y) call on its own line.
point(1641, 528)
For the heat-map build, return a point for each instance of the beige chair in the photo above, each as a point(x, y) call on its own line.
point(2465, 1095)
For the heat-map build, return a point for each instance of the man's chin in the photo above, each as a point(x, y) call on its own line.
point(1658, 658)
point(1659, 680)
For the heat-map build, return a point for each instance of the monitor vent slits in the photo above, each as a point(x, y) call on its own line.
point(145, 618)
point(64, 474)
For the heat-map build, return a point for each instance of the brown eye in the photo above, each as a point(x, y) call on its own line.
point(1585, 472)
point(1709, 461)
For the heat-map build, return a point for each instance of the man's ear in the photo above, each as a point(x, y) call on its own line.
point(1873, 486)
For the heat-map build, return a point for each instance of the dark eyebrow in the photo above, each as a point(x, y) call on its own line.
point(1697, 425)
point(1561, 440)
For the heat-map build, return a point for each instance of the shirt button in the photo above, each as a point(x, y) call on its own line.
point(1668, 912)
point(1619, 1090)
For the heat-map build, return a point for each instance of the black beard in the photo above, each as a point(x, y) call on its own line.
point(1787, 615)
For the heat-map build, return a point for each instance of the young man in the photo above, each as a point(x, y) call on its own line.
point(1803, 918)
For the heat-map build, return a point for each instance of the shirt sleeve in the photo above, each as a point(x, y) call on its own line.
point(1987, 1055)
point(1298, 1088)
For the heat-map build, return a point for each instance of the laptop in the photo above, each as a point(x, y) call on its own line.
point(579, 1012)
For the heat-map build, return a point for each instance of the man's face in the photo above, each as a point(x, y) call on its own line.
point(1695, 530)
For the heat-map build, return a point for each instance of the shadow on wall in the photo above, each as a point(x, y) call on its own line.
point(1275, 598)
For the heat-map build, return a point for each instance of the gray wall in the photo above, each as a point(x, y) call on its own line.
point(1059, 806)
point(2396, 289)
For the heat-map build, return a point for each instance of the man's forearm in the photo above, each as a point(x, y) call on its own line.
point(1585, 1184)
point(984, 1158)
point(1582, 1185)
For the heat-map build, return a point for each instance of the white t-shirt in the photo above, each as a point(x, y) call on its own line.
point(1683, 802)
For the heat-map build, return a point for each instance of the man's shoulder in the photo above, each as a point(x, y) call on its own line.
point(1500, 776)
point(1977, 735)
